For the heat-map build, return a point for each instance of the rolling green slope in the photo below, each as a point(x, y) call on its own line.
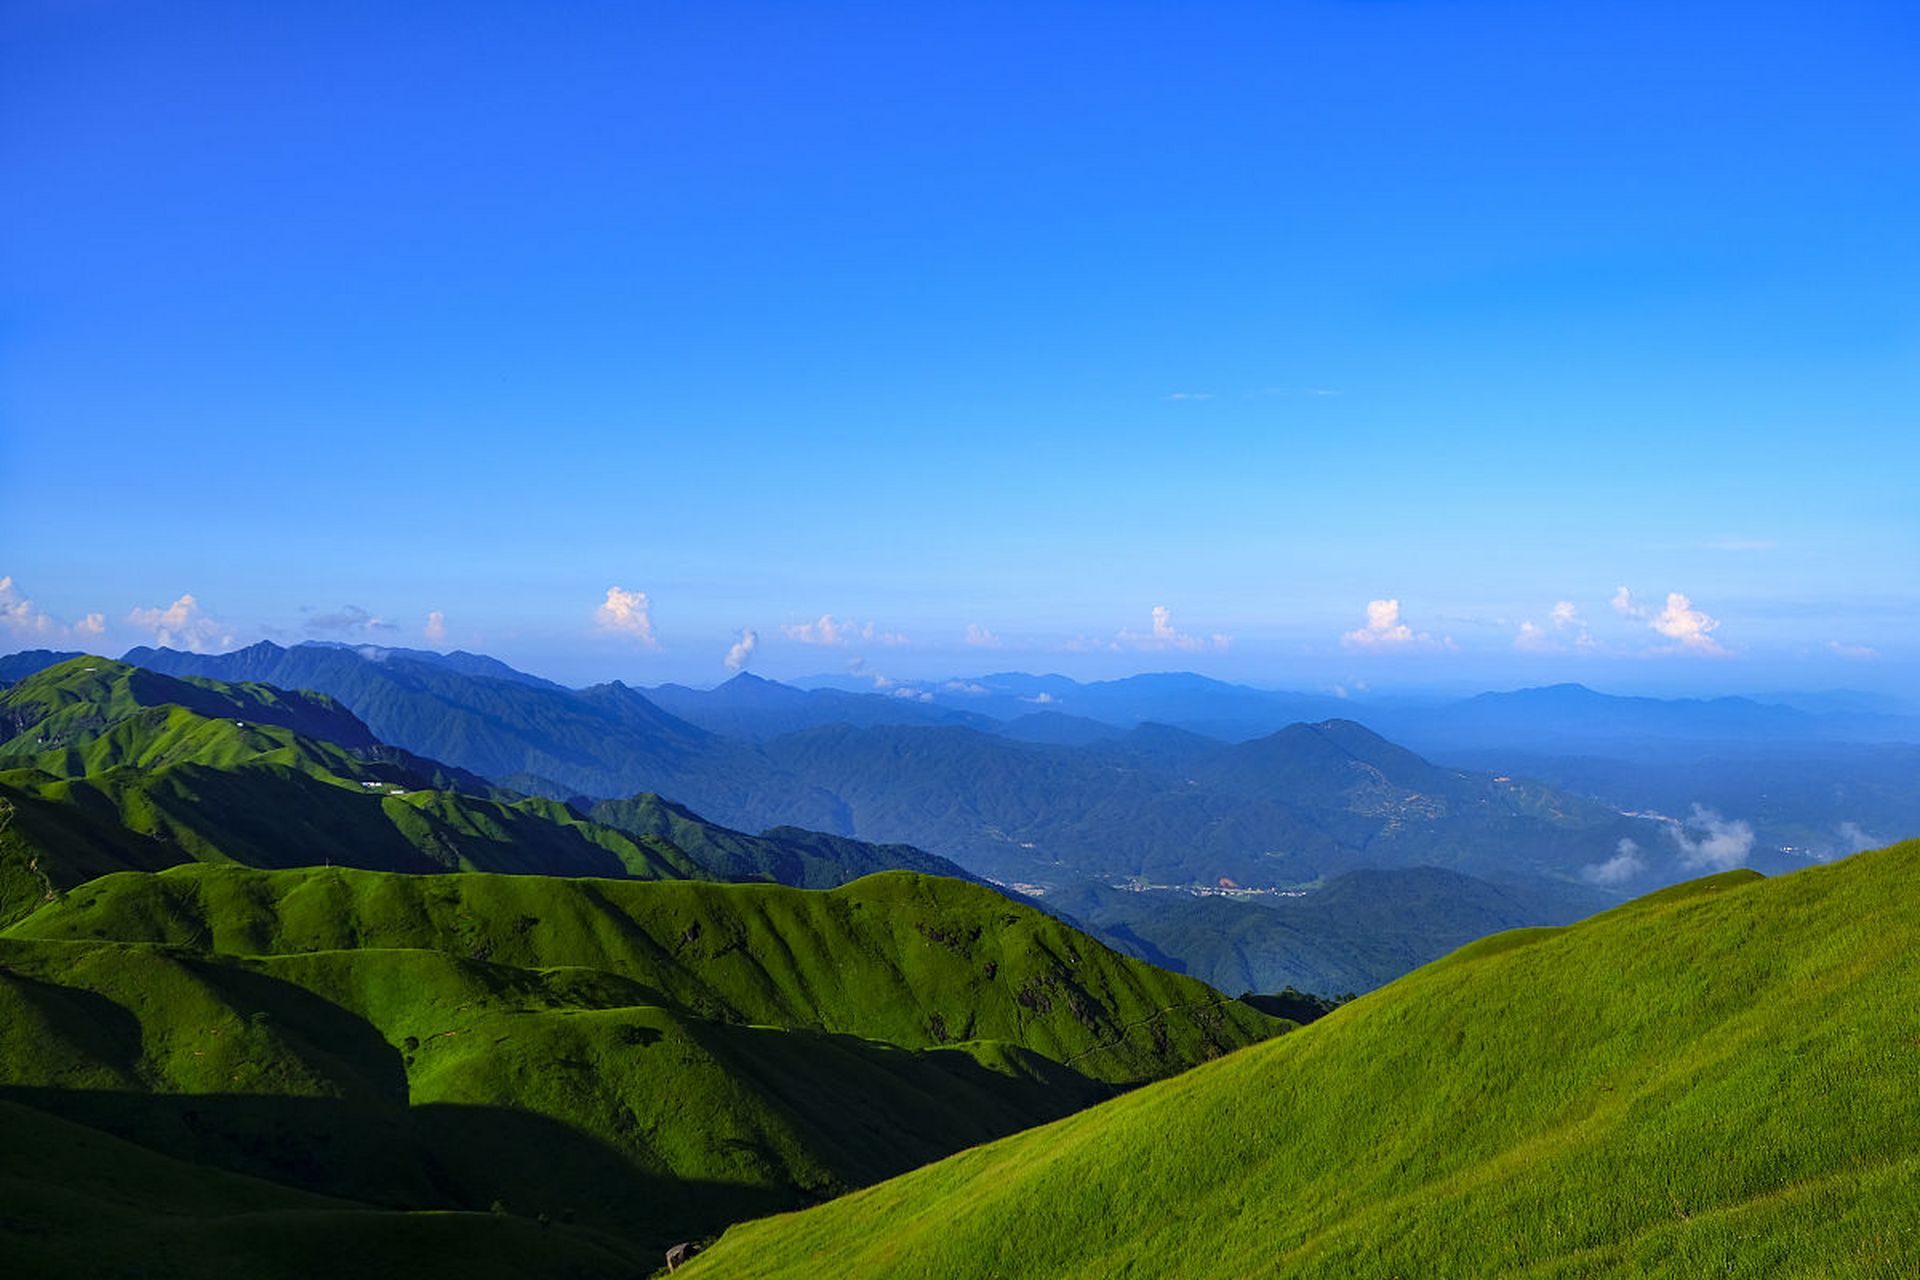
point(680, 1055)
point(1719, 1079)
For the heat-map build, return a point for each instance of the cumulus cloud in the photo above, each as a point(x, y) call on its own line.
point(1386, 631)
point(742, 651)
point(1853, 652)
point(913, 695)
point(1564, 630)
point(968, 687)
point(627, 613)
point(1689, 628)
point(183, 625)
point(981, 638)
point(349, 620)
point(1536, 639)
point(834, 633)
point(436, 628)
point(26, 620)
point(1164, 636)
point(1709, 842)
point(1624, 865)
point(1043, 698)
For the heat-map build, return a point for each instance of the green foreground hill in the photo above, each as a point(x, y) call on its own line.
point(1720, 1079)
point(634, 1062)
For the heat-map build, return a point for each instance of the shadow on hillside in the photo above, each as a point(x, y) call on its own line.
point(430, 1157)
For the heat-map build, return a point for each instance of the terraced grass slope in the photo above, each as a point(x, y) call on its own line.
point(1719, 1079)
point(645, 1061)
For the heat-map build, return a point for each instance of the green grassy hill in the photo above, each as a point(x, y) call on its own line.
point(784, 855)
point(107, 766)
point(680, 1055)
point(1719, 1079)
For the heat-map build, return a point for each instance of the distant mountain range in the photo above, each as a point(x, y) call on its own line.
point(752, 763)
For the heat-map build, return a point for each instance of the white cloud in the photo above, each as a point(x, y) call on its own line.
point(1853, 652)
point(967, 687)
point(1191, 395)
point(182, 625)
point(1386, 631)
point(825, 631)
point(1719, 845)
point(1687, 626)
point(1165, 636)
point(1564, 617)
point(350, 619)
point(1689, 629)
point(627, 613)
point(1535, 639)
point(981, 638)
point(24, 619)
point(1043, 698)
point(1624, 865)
point(436, 628)
point(742, 651)
point(830, 632)
point(913, 695)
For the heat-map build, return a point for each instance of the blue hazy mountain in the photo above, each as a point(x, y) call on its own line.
point(18, 666)
point(752, 708)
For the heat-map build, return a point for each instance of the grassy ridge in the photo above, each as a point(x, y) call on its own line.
point(682, 1055)
point(785, 855)
point(913, 960)
point(1715, 1080)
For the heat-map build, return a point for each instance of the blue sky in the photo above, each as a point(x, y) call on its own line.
point(1021, 318)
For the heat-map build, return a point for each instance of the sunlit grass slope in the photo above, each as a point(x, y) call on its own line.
point(1723, 1079)
point(651, 1060)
